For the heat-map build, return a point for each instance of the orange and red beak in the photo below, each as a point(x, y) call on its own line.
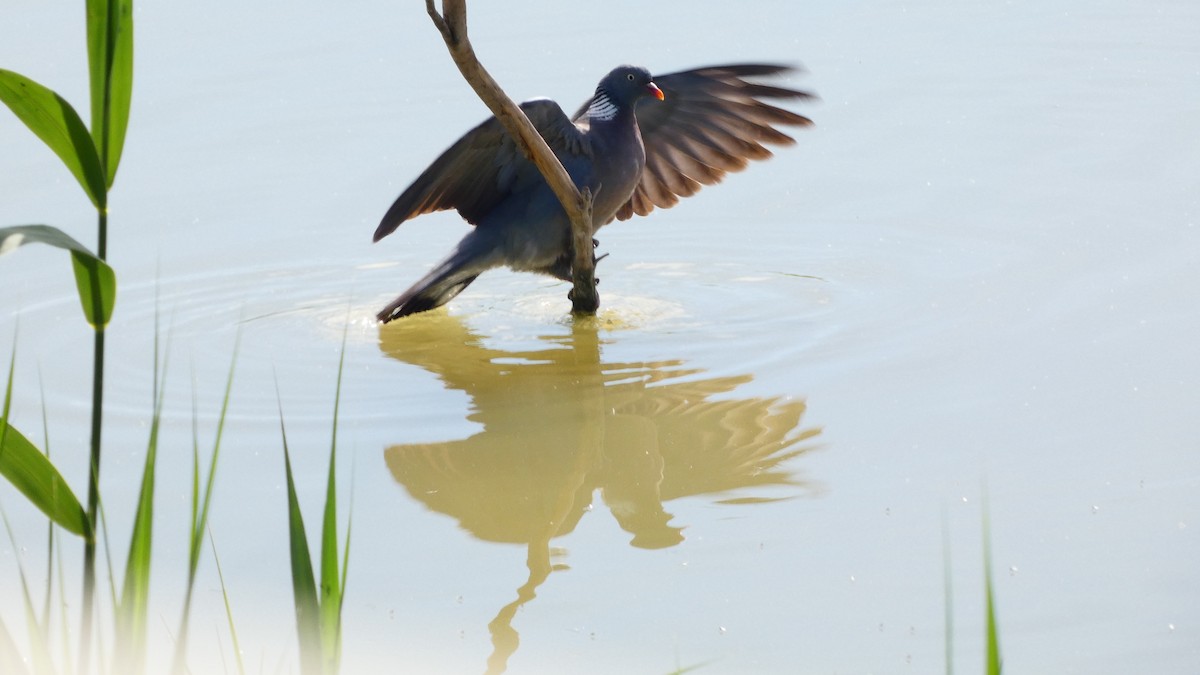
point(655, 91)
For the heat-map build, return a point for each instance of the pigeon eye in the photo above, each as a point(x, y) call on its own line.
point(629, 77)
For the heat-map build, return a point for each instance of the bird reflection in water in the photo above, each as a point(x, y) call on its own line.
point(560, 423)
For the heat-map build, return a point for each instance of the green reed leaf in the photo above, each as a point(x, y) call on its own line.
point(53, 120)
point(94, 279)
point(32, 473)
point(110, 70)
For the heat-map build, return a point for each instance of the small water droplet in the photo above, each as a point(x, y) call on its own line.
point(722, 629)
point(1171, 627)
point(1095, 508)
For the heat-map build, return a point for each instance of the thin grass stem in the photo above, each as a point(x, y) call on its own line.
point(38, 636)
point(237, 648)
point(89, 545)
point(200, 506)
point(50, 525)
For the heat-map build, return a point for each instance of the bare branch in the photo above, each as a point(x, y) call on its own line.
point(452, 24)
point(437, 20)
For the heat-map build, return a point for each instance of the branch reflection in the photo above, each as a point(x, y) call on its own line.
point(560, 423)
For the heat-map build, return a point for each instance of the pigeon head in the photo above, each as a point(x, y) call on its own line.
point(628, 84)
point(622, 89)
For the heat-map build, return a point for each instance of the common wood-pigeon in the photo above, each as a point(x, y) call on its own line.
point(634, 154)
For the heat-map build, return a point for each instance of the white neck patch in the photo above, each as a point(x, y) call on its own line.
point(602, 108)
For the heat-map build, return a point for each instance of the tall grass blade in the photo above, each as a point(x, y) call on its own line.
point(110, 70)
point(331, 581)
point(32, 473)
point(200, 508)
point(94, 279)
point(304, 588)
point(63, 610)
point(135, 595)
point(318, 617)
point(346, 556)
point(200, 521)
point(331, 593)
point(89, 611)
point(179, 661)
point(237, 649)
point(947, 594)
point(53, 120)
point(38, 634)
point(50, 525)
point(993, 661)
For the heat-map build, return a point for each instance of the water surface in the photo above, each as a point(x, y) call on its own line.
point(979, 267)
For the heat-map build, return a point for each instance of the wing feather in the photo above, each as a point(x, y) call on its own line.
point(714, 121)
point(479, 170)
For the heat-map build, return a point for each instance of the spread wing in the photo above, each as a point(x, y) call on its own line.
point(713, 120)
point(481, 168)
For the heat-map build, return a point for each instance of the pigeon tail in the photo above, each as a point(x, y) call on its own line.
point(470, 258)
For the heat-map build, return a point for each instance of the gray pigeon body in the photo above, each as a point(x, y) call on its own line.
point(634, 155)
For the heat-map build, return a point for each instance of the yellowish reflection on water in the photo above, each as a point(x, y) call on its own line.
point(560, 423)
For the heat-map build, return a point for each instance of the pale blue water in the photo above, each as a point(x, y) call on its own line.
point(980, 266)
